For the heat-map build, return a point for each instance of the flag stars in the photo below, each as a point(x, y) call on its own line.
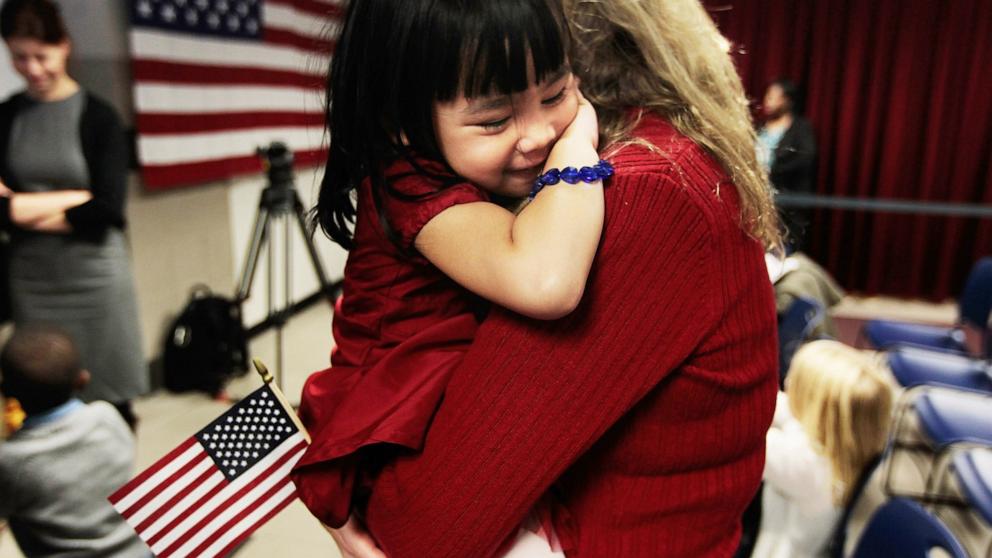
point(221, 6)
point(144, 9)
point(233, 23)
point(168, 13)
point(251, 26)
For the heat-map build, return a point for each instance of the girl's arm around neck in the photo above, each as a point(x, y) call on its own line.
point(535, 263)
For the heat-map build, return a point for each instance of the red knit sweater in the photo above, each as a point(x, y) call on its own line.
point(650, 402)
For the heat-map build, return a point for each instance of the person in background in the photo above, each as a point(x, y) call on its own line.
point(57, 470)
point(63, 180)
point(830, 428)
point(787, 150)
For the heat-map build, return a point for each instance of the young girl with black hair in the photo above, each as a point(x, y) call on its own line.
point(441, 115)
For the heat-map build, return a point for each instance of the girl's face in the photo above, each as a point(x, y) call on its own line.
point(42, 65)
point(500, 142)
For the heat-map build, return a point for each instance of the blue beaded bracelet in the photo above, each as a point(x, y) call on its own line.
point(571, 175)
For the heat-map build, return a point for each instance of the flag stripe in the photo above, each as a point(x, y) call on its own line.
point(151, 477)
point(151, 71)
point(170, 486)
point(155, 44)
point(164, 513)
point(268, 470)
point(216, 145)
point(318, 22)
point(315, 45)
point(231, 530)
point(197, 498)
point(154, 98)
point(178, 123)
point(261, 521)
point(158, 176)
point(313, 7)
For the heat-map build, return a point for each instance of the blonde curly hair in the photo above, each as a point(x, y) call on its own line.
point(667, 56)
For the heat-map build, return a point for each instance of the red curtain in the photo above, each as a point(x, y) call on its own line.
point(900, 95)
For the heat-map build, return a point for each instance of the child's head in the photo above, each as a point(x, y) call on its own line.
point(843, 398)
point(484, 88)
point(40, 368)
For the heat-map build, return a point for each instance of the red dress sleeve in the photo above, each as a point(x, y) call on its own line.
point(418, 200)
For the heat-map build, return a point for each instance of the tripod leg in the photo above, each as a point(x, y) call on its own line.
point(258, 237)
point(311, 248)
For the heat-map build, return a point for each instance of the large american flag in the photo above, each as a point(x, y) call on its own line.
point(217, 487)
point(215, 79)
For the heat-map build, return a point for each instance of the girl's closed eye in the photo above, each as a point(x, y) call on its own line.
point(556, 98)
point(494, 125)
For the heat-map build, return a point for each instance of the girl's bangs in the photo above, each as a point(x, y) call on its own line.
point(497, 47)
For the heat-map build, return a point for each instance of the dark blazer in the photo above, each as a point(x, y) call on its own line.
point(105, 149)
point(794, 169)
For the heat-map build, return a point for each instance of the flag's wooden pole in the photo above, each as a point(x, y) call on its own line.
point(263, 371)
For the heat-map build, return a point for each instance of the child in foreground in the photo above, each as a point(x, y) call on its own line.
point(437, 130)
point(57, 470)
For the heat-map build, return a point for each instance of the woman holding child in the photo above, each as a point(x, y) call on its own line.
point(638, 420)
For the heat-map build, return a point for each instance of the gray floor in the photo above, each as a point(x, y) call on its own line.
point(167, 419)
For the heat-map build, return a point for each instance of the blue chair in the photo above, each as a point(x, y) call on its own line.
point(914, 366)
point(795, 327)
point(946, 421)
point(903, 528)
point(973, 469)
point(974, 306)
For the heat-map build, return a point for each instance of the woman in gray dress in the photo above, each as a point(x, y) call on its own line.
point(63, 179)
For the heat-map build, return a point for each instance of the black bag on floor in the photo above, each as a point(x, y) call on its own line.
point(206, 345)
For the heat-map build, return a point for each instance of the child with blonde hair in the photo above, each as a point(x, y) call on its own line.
point(830, 424)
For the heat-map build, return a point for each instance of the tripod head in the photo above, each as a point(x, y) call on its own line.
point(277, 161)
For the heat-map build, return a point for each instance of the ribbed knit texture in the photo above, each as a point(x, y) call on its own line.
point(651, 401)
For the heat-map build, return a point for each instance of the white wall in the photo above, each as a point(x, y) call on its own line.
point(191, 235)
point(9, 80)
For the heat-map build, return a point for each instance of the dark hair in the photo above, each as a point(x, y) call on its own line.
point(394, 59)
point(40, 366)
point(791, 92)
point(32, 19)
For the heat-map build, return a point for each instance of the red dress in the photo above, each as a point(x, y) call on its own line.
point(402, 327)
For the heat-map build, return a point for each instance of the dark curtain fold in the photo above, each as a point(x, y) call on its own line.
point(900, 95)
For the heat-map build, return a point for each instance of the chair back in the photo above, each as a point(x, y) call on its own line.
point(795, 327)
point(975, 302)
point(903, 528)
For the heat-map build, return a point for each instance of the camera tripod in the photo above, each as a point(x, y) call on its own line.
point(279, 202)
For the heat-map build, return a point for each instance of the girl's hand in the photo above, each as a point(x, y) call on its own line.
point(354, 541)
point(585, 125)
point(5, 191)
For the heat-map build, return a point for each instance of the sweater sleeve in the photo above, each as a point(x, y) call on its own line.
point(106, 152)
point(531, 397)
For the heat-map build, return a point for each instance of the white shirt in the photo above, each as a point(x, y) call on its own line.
point(798, 514)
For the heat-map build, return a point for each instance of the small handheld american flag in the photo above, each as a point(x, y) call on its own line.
point(210, 493)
